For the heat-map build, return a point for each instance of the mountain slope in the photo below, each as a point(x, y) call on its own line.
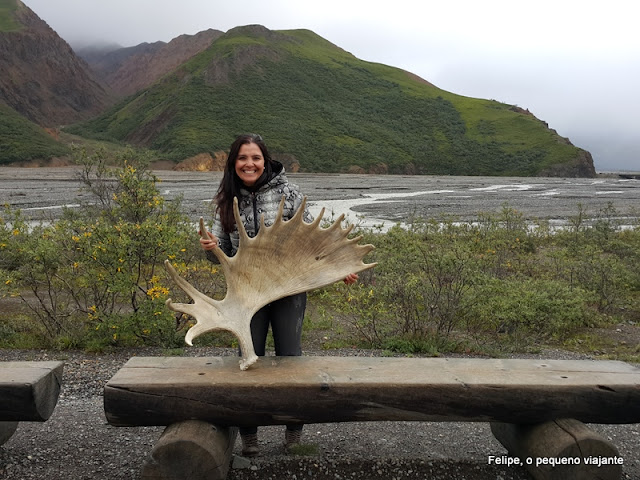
point(333, 113)
point(22, 140)
point(128, 70)
point(42, 79)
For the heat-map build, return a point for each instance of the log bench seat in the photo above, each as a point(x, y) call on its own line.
point(536, 407)
point(28, 393)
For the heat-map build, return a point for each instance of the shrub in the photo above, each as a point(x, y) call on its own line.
point(520, 312)
point(99, 270)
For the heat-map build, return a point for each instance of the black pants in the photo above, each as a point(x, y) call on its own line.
point(285, 317)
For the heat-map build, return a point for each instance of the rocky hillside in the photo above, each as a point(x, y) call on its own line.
point(328, 111)
point(42, 79)
point(128, 70)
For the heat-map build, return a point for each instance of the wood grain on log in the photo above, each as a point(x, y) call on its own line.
point(563, 449)
point(29, 390)
point(191, 450)
point(281, 390)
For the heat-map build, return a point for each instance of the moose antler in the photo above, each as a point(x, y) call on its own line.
point(286, 258)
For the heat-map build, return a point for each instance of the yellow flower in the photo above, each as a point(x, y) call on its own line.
point(75, 238)
point(157, 291)
point(15, 232)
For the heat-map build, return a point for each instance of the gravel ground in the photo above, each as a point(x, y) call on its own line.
point(77, 443)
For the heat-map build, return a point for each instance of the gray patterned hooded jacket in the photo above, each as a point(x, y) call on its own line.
point(252, 205)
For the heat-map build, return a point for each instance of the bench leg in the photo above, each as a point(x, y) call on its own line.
point(7, 429)
point(191, 450)
point(556, 440)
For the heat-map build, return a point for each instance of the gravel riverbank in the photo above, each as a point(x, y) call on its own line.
point(77, 443)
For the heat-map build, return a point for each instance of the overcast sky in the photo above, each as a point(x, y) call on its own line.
point(573, 63)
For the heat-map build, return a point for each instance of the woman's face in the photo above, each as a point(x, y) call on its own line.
point(249, 164)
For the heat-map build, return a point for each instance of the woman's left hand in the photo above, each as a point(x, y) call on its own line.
point(351, 278)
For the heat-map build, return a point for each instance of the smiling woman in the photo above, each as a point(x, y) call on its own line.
point(249, 164)
point(264, 197)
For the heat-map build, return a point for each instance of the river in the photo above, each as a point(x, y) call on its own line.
point(368, 200)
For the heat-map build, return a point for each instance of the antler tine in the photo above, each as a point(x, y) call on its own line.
point(242, 232)
point(318, 219)
point(222, 257)
point(203, 228)
point(354, 239)
point(278, 216)
point(337, 223)
point(298, 212)
point(189, 289)
point(281, 209)
point(347, 230)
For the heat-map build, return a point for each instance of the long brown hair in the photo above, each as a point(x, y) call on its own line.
point(231, 184)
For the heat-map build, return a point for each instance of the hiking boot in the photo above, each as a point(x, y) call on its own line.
point(292, 438)
point(250, 447)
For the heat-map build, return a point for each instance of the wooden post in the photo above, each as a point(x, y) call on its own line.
point(193, 450)
point(29, 390)
point(7, 429)
point(543, 448)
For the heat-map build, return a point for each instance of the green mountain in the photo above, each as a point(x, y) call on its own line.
point(22, 140)
point(331, 112)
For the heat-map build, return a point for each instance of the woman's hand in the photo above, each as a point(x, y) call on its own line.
point(351, 279)
point(208, 240)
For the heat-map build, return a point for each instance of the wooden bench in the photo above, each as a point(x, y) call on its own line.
point(28, 392)
point(536, 407)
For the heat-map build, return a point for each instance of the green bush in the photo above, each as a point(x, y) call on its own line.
point(97, 273)
point(518, 312)
point(501, 284)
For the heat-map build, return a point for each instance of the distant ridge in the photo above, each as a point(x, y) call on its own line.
point(42, 79)
point(128, 70)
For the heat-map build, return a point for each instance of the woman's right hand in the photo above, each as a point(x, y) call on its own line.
point(208, 240)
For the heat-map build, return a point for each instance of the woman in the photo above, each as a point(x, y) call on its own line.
point(259, 183)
